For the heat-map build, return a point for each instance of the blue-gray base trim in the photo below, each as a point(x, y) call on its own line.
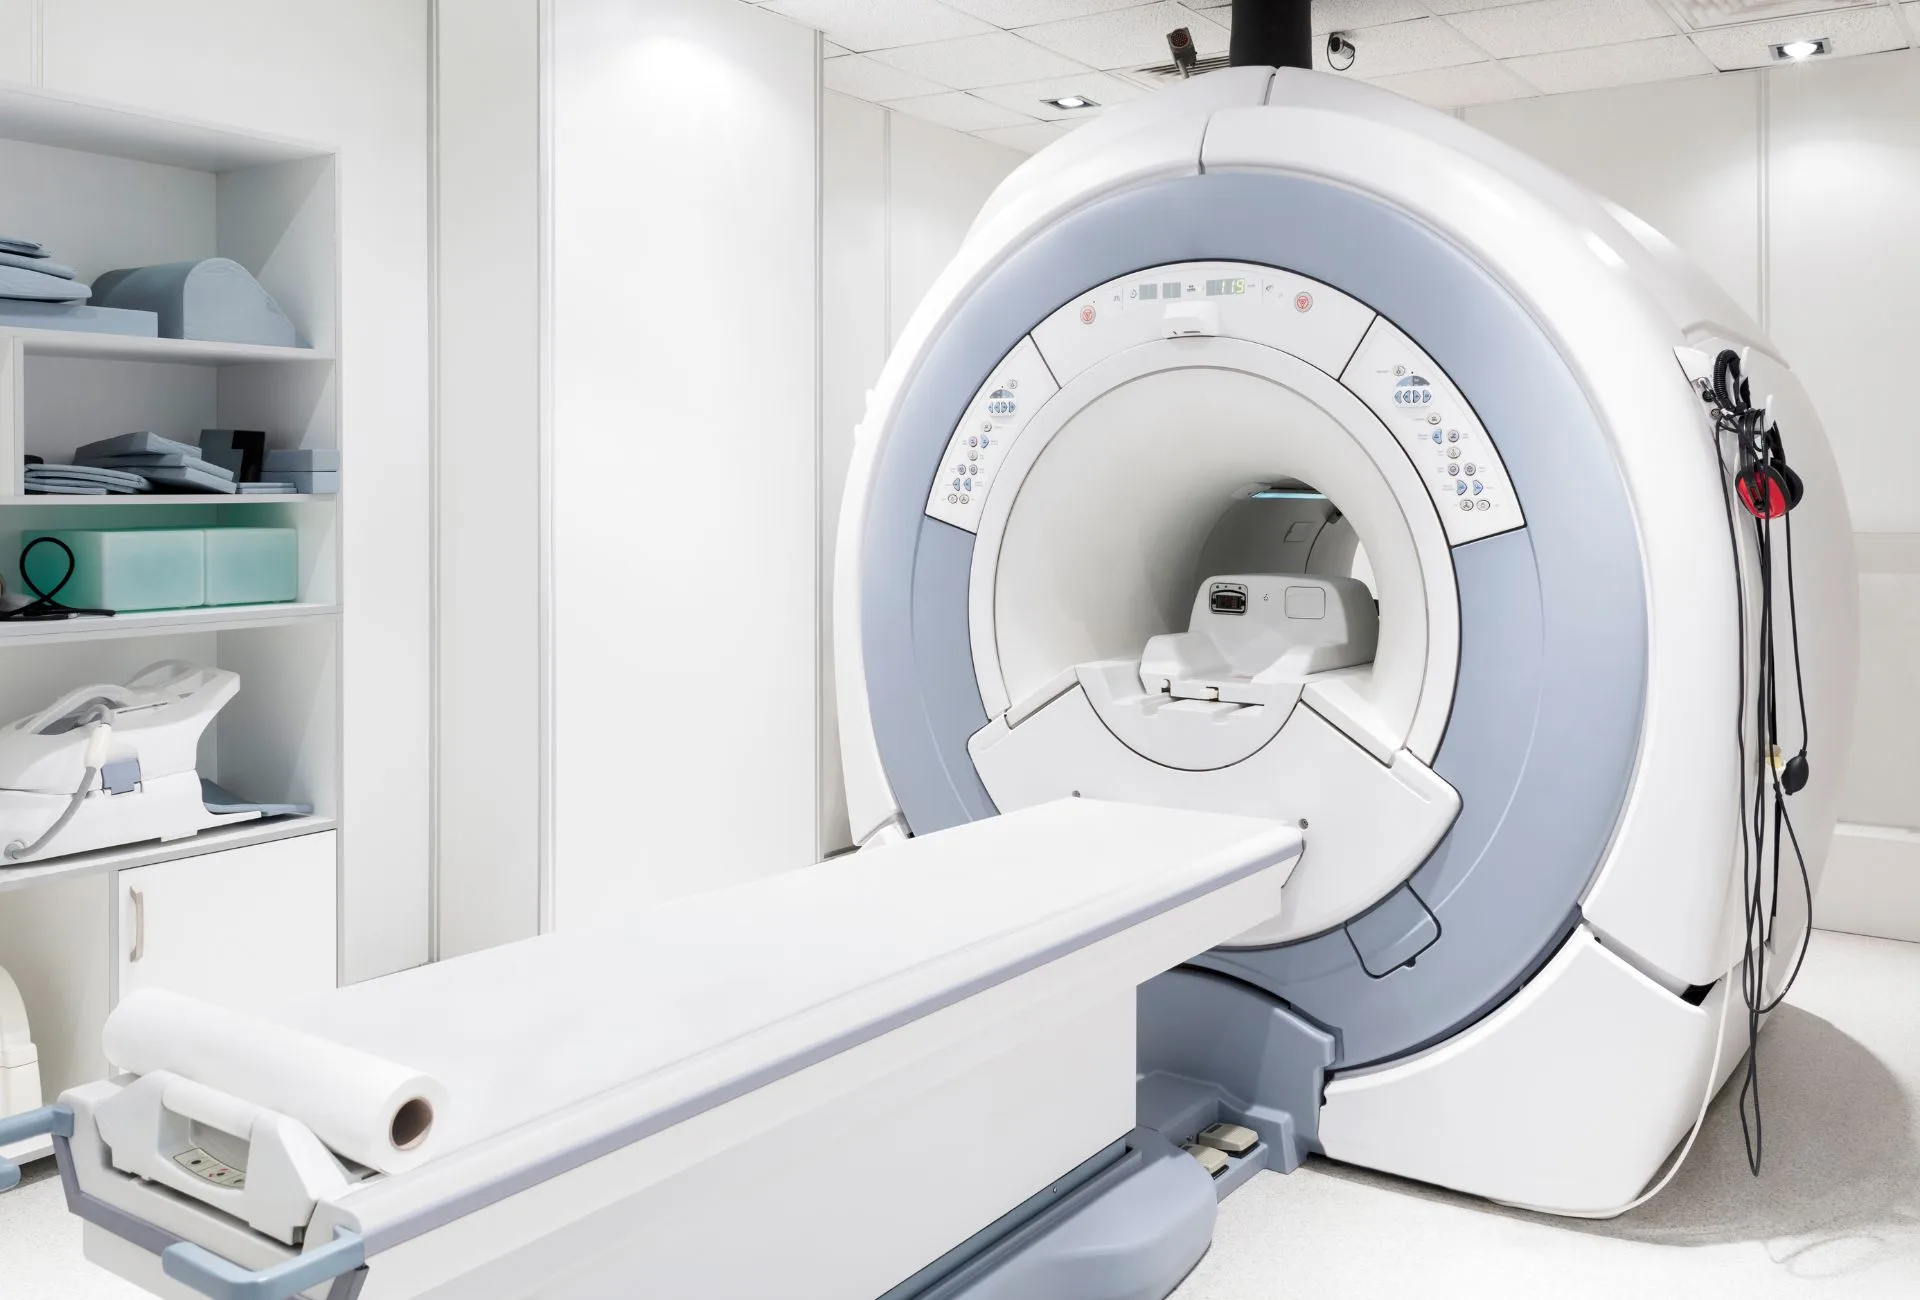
point(1212, 1050)
point(1546, 717)
point(1128, 1224)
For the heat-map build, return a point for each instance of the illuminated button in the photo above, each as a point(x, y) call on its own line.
point(1453, 435)
point(1460, 488)
point(1485, 504)
point(985, 443)
point(1453, 453)
point(956, 485)
point(1477, 489)
point(1436, 435)
point(1427, 395)
point(1087, 314)
point(1453, 469)
point(968, 485)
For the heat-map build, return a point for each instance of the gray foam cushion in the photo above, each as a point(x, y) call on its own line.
point(213, 300)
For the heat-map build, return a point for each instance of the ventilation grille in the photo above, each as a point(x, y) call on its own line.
point(1702, 14)
point(1156, 73)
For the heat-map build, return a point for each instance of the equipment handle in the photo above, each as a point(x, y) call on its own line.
point(48, 1121)
point(220, 1279)
point(139, 899)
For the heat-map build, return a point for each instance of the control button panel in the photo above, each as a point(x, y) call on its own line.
point(1018, 386)
point(218, 1172)
point(1433, 423)
point(1303, 317)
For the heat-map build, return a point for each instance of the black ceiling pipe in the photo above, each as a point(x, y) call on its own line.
point(1272, 34)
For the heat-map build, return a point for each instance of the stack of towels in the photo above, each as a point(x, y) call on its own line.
point(147, 462)
point(26, 274)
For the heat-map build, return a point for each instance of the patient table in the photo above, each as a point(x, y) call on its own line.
point(842, 1081)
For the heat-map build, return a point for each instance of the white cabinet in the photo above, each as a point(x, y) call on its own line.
point(246, 928)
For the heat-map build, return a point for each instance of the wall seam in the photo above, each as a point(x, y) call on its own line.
point(1763, 234)
point(820, 627)
point(435, 462)
point(886, 225)
point(546, 903)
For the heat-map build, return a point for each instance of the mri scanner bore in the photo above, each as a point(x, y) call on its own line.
point(1208, 379)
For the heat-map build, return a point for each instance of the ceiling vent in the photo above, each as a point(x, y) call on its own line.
point(1155, 74)
point(1703, 15)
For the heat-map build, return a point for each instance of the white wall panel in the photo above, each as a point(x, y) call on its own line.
point(351, 73)
point(1682, 155)
point(684, 442)
point(18, 55)
point(487, 486)
point(853, 347)
point(938, 180)
point(1845, 192)
point(898, 195)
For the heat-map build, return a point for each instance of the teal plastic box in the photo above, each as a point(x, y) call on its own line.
point(252, 566)
point(123, 569)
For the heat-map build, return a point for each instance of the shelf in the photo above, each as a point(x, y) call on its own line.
point(122, 857)
point(168, 499)
point(222, 618)
point(73, 122)
point(131, 347)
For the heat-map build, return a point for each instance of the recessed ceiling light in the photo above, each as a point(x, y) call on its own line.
point(1794, 51)
point(1071, 101)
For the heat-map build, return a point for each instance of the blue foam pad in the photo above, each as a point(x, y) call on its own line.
point(215, 299)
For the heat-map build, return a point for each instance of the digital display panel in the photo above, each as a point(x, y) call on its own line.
point(1171, 289)
point(1148, 292)
point(1225, 287)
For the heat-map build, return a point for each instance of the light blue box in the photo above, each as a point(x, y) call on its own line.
point(123, 569)
point(252, 566)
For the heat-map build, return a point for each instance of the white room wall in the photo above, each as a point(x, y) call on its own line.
point(897, 196)
point(1797, 188)
point(684, 221)
point(488, 705)
point(351, 73)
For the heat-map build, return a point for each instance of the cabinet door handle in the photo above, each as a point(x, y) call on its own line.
point(139, 925)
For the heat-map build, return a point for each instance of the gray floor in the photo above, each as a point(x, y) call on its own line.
point(1837, 1212)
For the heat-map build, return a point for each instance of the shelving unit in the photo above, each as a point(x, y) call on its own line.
point(104, 188)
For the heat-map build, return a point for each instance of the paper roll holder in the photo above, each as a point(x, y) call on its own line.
point(256, 1165)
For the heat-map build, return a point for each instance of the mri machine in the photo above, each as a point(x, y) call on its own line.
point(1296, 640)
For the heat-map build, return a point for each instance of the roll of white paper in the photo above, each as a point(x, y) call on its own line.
point(374, 1112)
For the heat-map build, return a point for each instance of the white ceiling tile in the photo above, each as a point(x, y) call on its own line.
point(1700, 14)
point(1404, 47)
point(959, 111)
point(1031, 138)
point(994, 59)
point(1345, 15)
point(1664, 58)
point(1028, 97)
point(1465, 6)
point(1025, 13)
point(1469, 83)
point(865, 78)
point(1852, 31)
point(1547, 25)
point(1128, 38)
point(877, 24)
point(828, 50)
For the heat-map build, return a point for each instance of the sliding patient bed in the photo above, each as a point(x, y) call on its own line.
point(831, 1082)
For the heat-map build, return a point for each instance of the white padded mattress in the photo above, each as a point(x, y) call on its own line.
point(792, 968)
